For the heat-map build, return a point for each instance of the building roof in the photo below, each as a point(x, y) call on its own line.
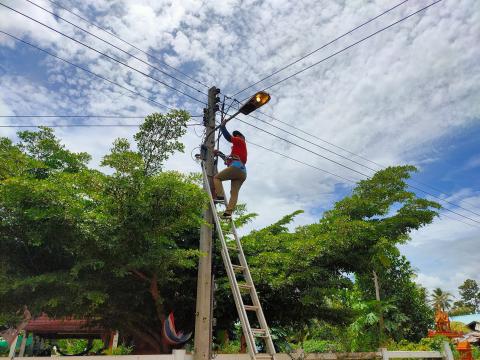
point(45, 325)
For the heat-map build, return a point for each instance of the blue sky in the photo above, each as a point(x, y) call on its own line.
point(410, 95)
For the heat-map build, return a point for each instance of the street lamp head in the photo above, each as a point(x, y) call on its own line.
point(256, 101)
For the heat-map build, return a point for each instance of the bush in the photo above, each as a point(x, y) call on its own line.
point(119, 350)
point(230, 347)
point(426, 344)
point(319, 346)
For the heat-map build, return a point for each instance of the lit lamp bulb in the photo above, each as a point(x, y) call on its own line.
point(256, 101)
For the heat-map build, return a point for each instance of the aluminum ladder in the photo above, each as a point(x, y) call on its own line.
point(230, 247)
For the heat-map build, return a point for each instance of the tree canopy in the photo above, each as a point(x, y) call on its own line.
point(121, 247)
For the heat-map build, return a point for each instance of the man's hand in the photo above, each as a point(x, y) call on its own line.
point(224, 122)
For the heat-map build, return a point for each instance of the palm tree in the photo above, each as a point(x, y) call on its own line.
point(441, 299)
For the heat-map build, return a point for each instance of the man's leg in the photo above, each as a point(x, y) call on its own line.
point(237, 181)
point(225, 174)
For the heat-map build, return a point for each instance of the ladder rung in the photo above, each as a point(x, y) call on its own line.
point(245, 286)
point(233, 248)
point(251, 307)
point(263, 356)
point(238, 267)
point(259, 332)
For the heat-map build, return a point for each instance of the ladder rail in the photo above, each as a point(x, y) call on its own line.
point(254, 294)
point(231, 274)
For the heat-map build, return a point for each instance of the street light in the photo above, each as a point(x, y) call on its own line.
point(256, 101)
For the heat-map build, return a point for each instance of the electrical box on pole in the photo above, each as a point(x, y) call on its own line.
point(203, 315)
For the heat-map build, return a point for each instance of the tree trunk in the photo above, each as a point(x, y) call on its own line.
point(159, 308)
point(380, 315)
point(243, 344)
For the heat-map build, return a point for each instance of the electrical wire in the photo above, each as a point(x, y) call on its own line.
point(125, 42)
point(88, 71)
point(82, 116)
point(348, 47)
point(347, 151)
point(341, 177)
point(302, 162)
point(358, 172)
point(104, 54)
point(78, 125)
point(321, 47)
point(358, 163)
point(116, 47)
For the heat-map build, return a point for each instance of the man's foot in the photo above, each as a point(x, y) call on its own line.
point(219, 200)
point(226, 215)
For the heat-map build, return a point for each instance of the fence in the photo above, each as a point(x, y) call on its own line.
point(384, 354)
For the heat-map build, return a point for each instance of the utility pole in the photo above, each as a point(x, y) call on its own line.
point(203, 315)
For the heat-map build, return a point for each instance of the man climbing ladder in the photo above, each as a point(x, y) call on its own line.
point(236, 170)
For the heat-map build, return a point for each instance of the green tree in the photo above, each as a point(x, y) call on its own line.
point(441, 299)
point(470, 294)
point(118, 249)
point(304, 274)
point(459, 308)
point(408, 314)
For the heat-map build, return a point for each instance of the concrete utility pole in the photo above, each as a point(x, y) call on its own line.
point(203, 315)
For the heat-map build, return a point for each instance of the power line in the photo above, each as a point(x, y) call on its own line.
point(125, 42)
point(302, 162)
point(312, 143)
point(363, 165)
point(359, 172)
point(82, 116)
point(349, 46)
point(341, 177)
point(88, 71)
point(351, 153)
point(321, 47)
point(104, 54)
point(116, 47)
point(80, 125)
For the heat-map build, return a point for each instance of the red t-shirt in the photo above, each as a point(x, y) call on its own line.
point(239, 148)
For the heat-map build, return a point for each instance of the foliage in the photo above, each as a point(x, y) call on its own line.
point(230, 347)
point(470, 294)
point(319, 346)
point(304, 274)
point(406, 314)
point(426, 344)
point(441, 299)
point(77, 242)
point(459, 308)
point(476, 352)
point(76, 346)
point(159, 136)
point(459, 326)
point(119, 350)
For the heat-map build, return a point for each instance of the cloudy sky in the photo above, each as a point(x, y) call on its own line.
point(408, 95)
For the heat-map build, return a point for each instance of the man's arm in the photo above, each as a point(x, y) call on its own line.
point(225, 132)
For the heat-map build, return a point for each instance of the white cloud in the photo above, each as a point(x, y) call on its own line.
point(392, 98)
